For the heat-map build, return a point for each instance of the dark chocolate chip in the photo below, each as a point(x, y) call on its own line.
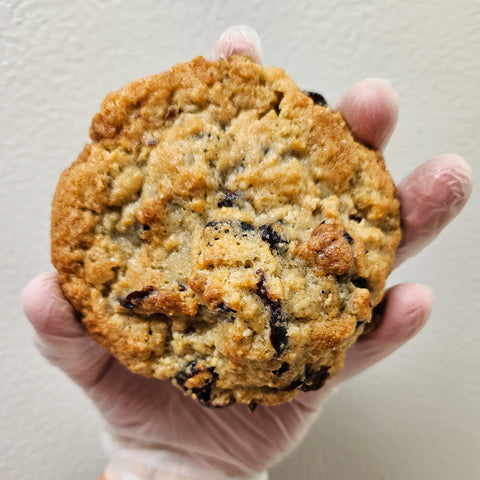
point(317, 98)
point(188, 371)
point(269, 235)
point(278, 330)
point(151, 142)
point(347, 237)
point(314, 380)
point(252, 406)
point(133, 299)
point(360, 282)
point(293, 385)
point(262, 286)
point(245, 226)
point(283, 368)
point(202, 393)
point(278, 323)
point(228, 199)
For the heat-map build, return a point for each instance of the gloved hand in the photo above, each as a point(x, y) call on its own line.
point(154, 431)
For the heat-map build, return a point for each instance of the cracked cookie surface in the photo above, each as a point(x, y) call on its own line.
point(224, 230)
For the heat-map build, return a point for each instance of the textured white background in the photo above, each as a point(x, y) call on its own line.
point(414, 416)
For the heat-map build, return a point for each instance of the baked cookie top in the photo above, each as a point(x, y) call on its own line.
point(224, 230)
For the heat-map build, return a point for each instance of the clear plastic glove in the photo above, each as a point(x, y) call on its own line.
point(154, 431)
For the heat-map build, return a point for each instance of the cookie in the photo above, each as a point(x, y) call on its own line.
point(224, 230)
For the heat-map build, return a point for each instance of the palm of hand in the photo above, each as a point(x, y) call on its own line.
point(153, 413)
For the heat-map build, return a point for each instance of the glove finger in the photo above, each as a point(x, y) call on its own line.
point(238, 40)
point(403, 312)
point(430, 197)
point(59, 336)
point(370, 108)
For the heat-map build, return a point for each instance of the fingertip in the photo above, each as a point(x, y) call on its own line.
point(47, 309)
point(445, 170)
point(430, 198)
point(454, 172)
point(238, 40)
point(456, 162)
point(407, 309)
point(31, 297)
point(402, 312)
point(370, 108)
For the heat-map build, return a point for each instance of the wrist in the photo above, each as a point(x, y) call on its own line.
point(111, 475)
point(131, 462)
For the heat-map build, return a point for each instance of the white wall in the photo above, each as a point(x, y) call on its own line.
point(416, 415)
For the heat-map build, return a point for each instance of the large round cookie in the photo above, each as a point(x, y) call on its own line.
point(226, 231)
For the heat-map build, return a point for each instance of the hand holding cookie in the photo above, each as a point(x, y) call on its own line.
point(144, 414)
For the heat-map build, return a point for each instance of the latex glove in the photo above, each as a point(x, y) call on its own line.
point(155, 432)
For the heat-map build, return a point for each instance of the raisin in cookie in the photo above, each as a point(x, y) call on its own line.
point(224, 230)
